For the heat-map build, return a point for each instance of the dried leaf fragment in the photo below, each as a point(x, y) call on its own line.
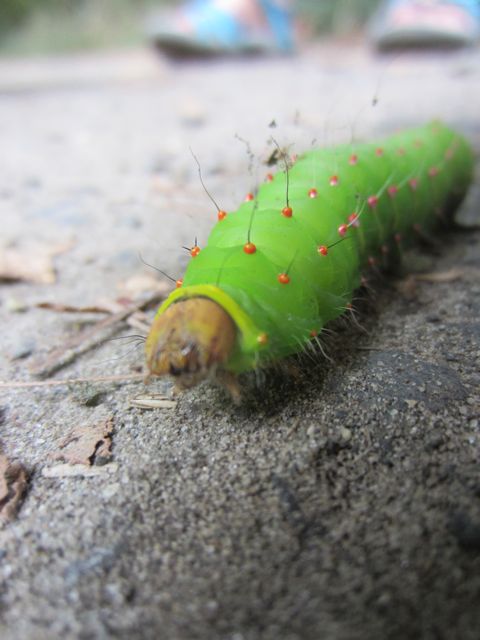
point(441, 276)
point(67, 308)
point(408, 286)
point(31, 263)
point(13, 484)
point(87, 445)
point(152, 401)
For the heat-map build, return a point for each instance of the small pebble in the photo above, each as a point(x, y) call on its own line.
point(15, 305)
point(110, 490)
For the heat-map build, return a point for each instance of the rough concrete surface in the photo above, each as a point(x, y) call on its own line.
point(342, 503)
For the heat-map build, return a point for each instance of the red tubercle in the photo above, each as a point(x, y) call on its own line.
point(179, 283)
point(269, 177)
point(353, 220)
point(413, 184)
point(194, 251)
point(398, 238)
point(392, 190)
point(379, 151)
point(287, 212)
point(342, 229)
point(313, 333)
point(418, 143)
point(322, 250)
point(262, 339)
point(433, 171)
point(400, 151)
point(249, 197)
point(249, 248)
point(294, 158)
point(333, 182)
point(353, 159)
point(283, 278)
point(221, 214)
point(313, 193)
point(372, 201)
point(452, 149)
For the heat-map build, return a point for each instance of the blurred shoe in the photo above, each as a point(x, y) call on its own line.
point(215, 27)
point(403, 23)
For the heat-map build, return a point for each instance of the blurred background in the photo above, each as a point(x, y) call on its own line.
point(58, 26)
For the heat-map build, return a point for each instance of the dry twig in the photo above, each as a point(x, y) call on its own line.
point(87, 340)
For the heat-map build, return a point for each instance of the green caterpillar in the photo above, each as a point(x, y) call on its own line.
point(284, 264)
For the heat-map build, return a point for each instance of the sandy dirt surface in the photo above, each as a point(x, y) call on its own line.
point(340, 504)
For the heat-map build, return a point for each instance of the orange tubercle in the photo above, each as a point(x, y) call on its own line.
point(262, 338)
point(353, 220)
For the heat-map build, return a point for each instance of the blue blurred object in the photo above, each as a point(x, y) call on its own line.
point(211, 27)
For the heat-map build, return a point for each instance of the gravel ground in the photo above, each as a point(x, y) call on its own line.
point(342, 503)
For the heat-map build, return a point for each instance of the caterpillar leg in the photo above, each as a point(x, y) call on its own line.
point(229, 381)
point(191, 341)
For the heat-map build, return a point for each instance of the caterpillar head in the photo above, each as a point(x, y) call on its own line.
point(190, 341)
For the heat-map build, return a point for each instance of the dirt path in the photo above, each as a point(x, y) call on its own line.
point(343, 505)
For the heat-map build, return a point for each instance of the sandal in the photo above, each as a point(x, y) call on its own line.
point(400, 23)
point(211, 27)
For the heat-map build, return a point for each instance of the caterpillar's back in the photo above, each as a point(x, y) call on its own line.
point(275, 271)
